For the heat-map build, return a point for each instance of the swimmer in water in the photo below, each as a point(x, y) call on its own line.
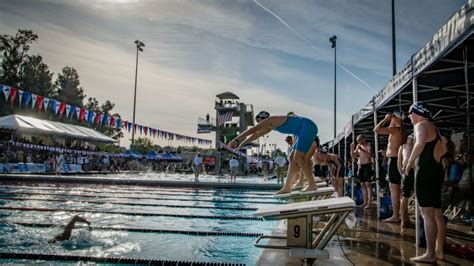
point(66, 234)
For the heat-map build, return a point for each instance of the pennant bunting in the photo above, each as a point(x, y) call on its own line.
point(39, 102)
point(13, 93)
point(68, 109)
point(45, 103)
point(33, 100)
point(6, 92)
point(20, 97)
point(82, 114)
point(27, 98)
point(62, 108)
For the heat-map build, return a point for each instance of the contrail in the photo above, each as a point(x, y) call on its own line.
point(312, 45)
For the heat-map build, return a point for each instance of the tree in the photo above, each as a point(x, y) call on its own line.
point(68, 88)
point(14, 50)
point(35, 76)
point(142, 145)
point(92, 105)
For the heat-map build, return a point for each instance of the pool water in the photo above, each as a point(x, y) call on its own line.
point(172, 210)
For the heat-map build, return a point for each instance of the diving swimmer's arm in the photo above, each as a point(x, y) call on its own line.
point(243, 136)
point(254, 136)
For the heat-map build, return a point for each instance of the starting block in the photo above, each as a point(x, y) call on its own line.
point(297, 196)
point(299, 239)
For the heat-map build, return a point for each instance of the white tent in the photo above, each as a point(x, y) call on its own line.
point(25, 124)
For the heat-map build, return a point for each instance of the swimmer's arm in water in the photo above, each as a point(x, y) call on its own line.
point(66, 234)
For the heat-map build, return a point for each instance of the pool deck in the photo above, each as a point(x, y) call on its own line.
point(30, 178)
point(371, 242)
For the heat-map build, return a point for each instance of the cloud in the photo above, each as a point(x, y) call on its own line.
point(197, 49)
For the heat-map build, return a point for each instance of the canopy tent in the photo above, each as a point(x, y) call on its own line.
point(25, 124)
point(153, 155)
point(440, 79)
point(441, 74)
point(171, 157)
point(133, 154)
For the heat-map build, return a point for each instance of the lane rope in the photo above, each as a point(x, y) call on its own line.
point(148, 230)
point(123, 260)
point(133, 204)
point(222, 217)
point(150, 193)
point(140, 198)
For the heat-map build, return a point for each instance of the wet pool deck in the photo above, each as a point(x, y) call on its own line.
point(371, 242)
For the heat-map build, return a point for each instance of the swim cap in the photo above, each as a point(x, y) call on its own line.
point(324, 149)
point(420, 108)
point(396, 114)
point(261, 116)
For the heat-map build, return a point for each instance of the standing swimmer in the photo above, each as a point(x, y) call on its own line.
point(305, 131)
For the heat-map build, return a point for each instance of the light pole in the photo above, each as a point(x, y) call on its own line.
point(394, 49)
point(333, 45)
point(139, 45)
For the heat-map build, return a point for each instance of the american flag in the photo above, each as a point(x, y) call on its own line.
point(224, 117)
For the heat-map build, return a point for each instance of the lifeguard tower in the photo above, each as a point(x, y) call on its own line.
point(232, 118)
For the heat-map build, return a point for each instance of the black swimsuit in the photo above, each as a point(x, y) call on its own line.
point(429, 177)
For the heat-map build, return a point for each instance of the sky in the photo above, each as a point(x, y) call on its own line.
point(273, 54)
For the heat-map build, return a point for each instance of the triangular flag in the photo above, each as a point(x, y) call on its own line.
point(45, 103)
point(13, 93)
point(27, 97)
point(20, 97)
point(56, 107)
point(81, 115)
point(97, 119)
point(33, 100)
point(62, 108)
point(68, 109)
point(6, 92)
point(92, 116)
point(78, 111)
point(39, 102)
point(86, 115)
point(129, 126)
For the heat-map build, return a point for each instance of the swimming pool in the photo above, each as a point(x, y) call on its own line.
point(176, 224)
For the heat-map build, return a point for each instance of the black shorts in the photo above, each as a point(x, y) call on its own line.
point(324, 171)
point(408, 185)
point(394, 176)
point(366, 173)
point(317, 170)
